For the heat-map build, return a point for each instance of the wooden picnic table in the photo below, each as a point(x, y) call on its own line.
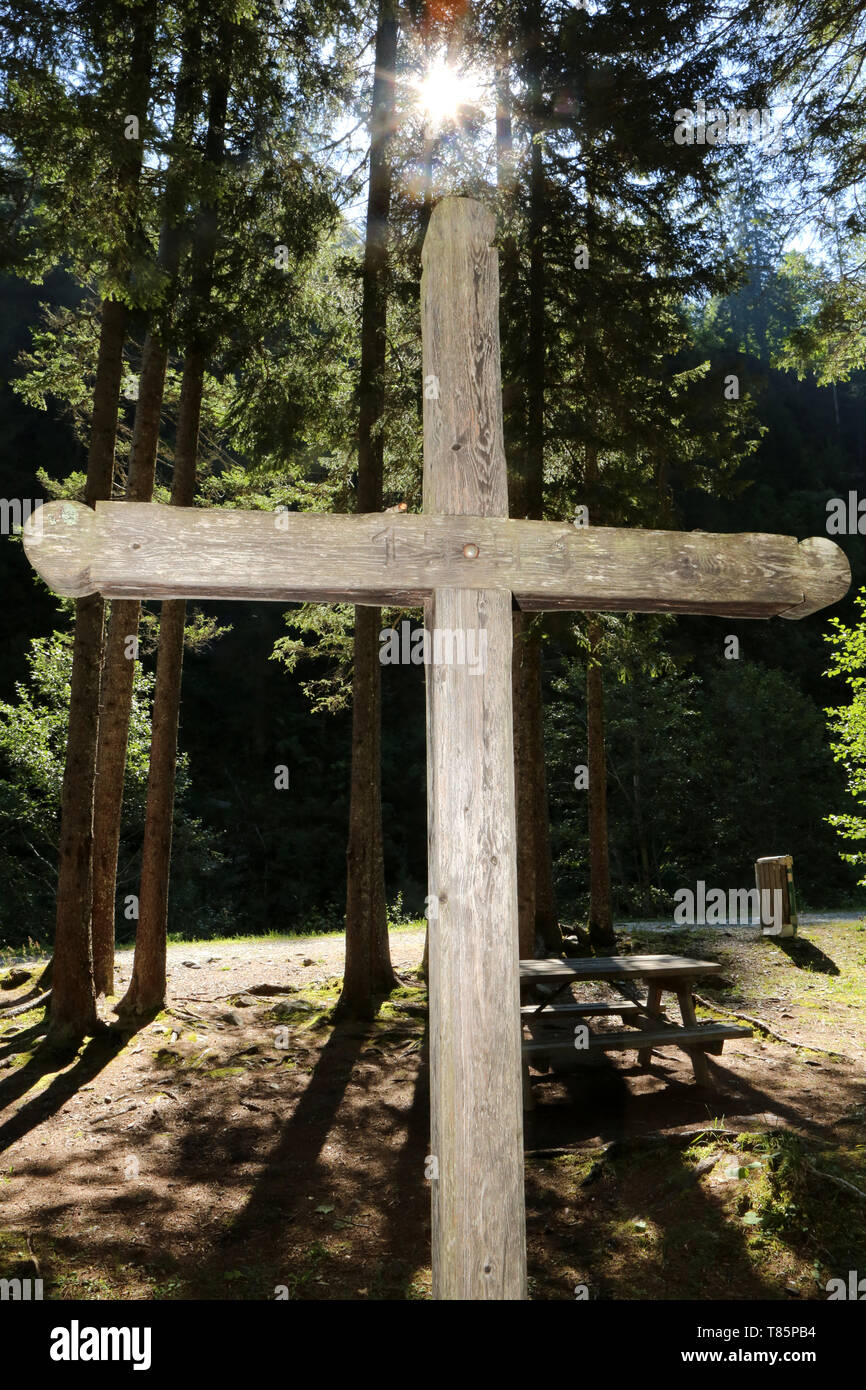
point(544, 1020)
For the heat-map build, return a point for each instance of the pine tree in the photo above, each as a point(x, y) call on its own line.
point(122, 637)
point(253, 183)
point(368, 969)
point(73, 1010)
point(623, 247)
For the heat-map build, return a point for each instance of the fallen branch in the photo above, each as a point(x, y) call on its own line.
point(268, 989)
point(32, 1000)
point(25, 1007)
point(206, 998)
point(765, 1028)
point(112, 1115)
point(840, 1182)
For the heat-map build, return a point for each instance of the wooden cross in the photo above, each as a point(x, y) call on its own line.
point(467, 562)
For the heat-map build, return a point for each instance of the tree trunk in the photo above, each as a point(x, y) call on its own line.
point(600, 916)
point(640, 824)
point(537, 915)
point(515, 431)
point(524, 779)
point(147, 988)
point(535, 344)
point(547, 928)
point(73, 1003)
point(424, 970)
point(118, 667)
point(505, 172)
point(146, 991)
point(366, 918)
point(368, 969)
point(118, 675)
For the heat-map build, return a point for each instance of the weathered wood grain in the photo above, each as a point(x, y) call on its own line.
point(478, 1223)
point(460, 363)
point(142, 550)
point(687, 1010)
point(552, 968)
point(479, 1241)
point(827, 577)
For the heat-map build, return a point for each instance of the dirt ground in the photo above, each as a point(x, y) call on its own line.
point(240, 1145)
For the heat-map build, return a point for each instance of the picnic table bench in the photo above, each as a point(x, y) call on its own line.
point(550, 1025)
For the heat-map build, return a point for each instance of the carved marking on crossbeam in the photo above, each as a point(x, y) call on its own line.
point(388, 543)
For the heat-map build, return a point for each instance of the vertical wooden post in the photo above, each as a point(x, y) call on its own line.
point(479, 1242)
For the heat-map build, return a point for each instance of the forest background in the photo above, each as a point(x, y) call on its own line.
point(641, 277)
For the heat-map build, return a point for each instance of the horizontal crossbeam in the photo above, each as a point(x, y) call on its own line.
point(143, 550)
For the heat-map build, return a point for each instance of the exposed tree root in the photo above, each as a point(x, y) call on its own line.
point(840, 1182)
point(765, 1028)
point(32, 1000)
point(26, 1006)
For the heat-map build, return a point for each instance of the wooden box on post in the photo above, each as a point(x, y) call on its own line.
point(774, 875)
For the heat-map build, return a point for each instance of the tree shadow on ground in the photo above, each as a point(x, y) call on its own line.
point(308, 1173)
point(601, 1107)
point(293, 1173)
point(581, 1211)
point(638, 1226)
point(49, 1060)
point(376, 1189)
point(22, 1040)
point(805, 954)
point(405, 1240)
